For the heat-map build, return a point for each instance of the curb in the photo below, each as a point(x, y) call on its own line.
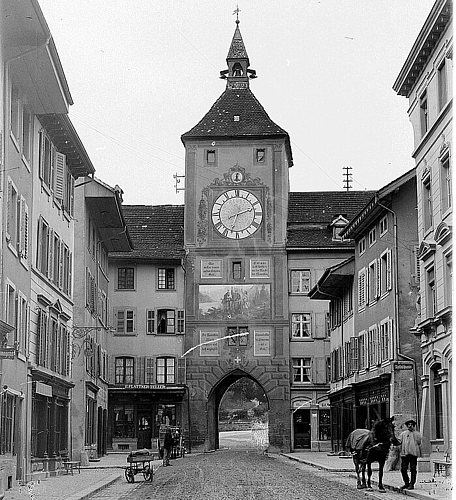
point(396, 489)
point(88, 492)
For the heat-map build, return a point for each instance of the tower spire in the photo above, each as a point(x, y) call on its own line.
point(238, 72)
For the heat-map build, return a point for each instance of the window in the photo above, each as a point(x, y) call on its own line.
point(23, 321)
point(335, 313)
point(373, 346)
point(126, 278)
point(235, 337)
point(125, 370)
point(363, 351)
point(166, 372)
point(260, 155)
point(237, 270)
point(11, 312)
point(438, 401)
point(372, 236)
point(445, 174)
point(300, 281)
point(427, 204)
point(166, 279)
point(448, 279)
point(210, 157)
point(383, 225)
point(42, 258)
point(362, 289)
point(124, 422)
point(150, 321)
point(301, 325)
point(442, 84)
point(385, 272)
point(166, 321)
point(354, 354)
point(385, 339)
point(301, 370)
point(324, 425)
point(8, 433)
point(46, 160)
point(23, 242)
point(347, 301)
point(373, 282)
point(26, 135)
point(431, 302)
point(15, 114)
point(125, 321)
point(149, 371)
point(362, 246)
point(53, 349)
point(13, 216)
point(424, 118)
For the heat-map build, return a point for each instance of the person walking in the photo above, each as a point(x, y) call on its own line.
point(167, 447)
point(410, 451)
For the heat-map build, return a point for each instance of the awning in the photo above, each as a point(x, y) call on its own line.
point(334, 280)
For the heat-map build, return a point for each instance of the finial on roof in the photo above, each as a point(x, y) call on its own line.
point(237, 14)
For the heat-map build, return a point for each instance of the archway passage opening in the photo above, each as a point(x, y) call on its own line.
point(243, 416)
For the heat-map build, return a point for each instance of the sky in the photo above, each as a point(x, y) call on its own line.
point(143, 72)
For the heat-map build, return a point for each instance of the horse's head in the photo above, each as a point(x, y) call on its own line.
point(383, 431)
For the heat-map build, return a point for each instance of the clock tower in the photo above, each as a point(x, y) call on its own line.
point(236, 200)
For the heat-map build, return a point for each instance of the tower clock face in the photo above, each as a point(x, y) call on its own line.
point(237, 214)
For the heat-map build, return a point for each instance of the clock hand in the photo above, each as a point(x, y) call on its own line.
point(242, 212)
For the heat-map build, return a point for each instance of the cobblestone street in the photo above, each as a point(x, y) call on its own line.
point(240, 475)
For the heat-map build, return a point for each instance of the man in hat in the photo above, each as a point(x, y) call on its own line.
point(410, 451)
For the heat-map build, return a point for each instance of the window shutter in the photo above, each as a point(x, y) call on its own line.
point(41, 158)
point(319, 329)
point(181, 371)
point(390, 338)
point(60, 161)
point(362, 288)
point(52, 168)
point(111, 369)
point(51, 256)
point(149, 375)
point(320, 370)
point(417, 265)
point(140, 368)
point(388, 271)
point(9, 209)
point(70, 274)
point(71, 194)
point(379, 278)
point(25, 232)
point(61, 257)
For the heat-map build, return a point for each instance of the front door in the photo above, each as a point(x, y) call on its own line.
point(144, 430)
point(301, 421)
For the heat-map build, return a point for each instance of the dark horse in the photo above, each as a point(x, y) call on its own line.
point(371, 446)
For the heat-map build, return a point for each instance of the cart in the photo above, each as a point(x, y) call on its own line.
point(178, 450)
point(139, 462)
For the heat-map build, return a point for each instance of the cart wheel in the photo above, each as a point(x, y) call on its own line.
point(148, 473)
point(129, 475)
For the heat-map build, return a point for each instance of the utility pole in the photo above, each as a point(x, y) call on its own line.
point(347, 178)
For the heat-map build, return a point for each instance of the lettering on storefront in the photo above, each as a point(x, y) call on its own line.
point(147, 386)
point(211, 268)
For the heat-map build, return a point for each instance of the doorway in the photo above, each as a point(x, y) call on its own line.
point(144, 430)
point(301, 424)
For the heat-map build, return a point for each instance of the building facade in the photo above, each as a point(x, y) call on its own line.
point(375, 360)
point(146, 369)
point(426, 80)
point(236, 198)
point(313, 244)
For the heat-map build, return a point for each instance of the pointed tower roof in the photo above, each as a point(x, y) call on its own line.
point(237, 113)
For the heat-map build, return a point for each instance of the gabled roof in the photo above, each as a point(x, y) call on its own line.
point(157, 232)
point(310, 215)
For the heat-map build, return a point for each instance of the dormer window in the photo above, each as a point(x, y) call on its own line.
point(338, 224)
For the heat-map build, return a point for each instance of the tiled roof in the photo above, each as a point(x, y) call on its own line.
point(219, 120)
point(324, 206)
point(157, 232)
point(311, 213)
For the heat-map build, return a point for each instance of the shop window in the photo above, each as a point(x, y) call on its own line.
point(301, 370)
point(438, 402)
point(166, 321)
point(324, 425)
point(300, 281)
point(301, 325)
point(166, 415)
point(166, 279)
point(125, 367)
point(125, 278)
point(166, 370)
point(124, 425)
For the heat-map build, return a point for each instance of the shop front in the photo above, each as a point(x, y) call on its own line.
point(311, 425)
point(136, 413)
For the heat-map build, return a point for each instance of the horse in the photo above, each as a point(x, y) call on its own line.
point(371, 446)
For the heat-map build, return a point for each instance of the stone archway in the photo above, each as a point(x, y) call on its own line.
point(213, 402)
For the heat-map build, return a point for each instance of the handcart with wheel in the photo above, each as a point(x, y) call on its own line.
point(139, 462)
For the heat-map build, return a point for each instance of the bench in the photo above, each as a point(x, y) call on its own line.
point(443, 465)
point(70, 465)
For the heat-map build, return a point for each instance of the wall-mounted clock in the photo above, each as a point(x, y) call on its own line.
point(237, 214)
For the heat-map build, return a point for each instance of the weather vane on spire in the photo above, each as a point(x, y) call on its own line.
point(237, 13)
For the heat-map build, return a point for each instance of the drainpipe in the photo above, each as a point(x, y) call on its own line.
point(397, 352)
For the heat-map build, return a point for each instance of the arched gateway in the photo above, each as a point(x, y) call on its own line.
point(236, 201)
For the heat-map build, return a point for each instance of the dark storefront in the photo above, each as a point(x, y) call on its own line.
point(135, 414)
